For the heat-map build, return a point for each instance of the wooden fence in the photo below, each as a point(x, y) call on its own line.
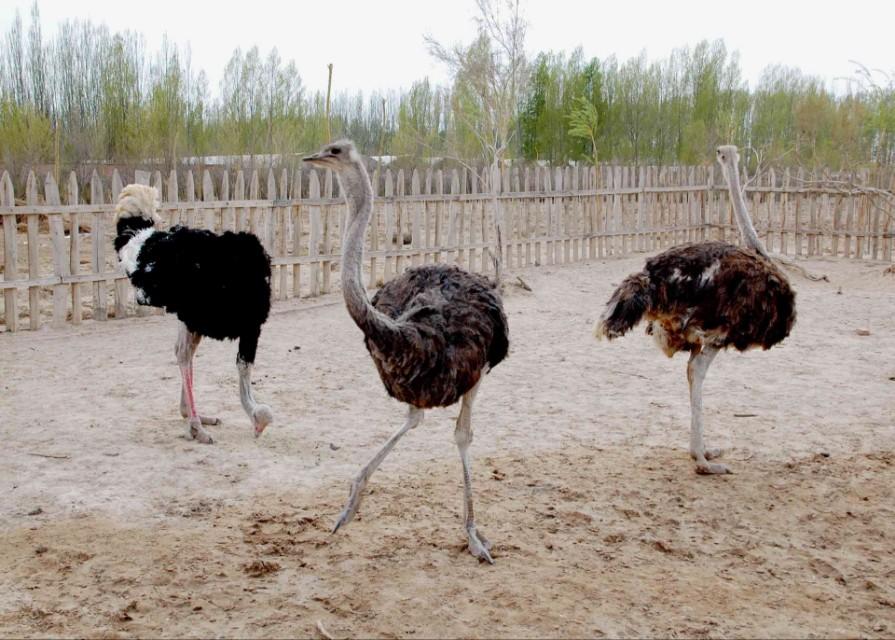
point(58, 264)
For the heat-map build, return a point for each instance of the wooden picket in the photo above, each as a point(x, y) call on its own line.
point(545, 215)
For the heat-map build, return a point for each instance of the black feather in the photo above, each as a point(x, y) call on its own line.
point(217, 285)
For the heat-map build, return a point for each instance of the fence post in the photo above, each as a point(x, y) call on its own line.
point(389, 262)
point(60, 264)
point(32, 223)
point(328, 223)
point(100, 311)
point(314, 241)
point(74, 249)
point(296, 213)
point(190, 199)
point(10, 253)
point(122, 285)
point(374, 229)
point(416, 219)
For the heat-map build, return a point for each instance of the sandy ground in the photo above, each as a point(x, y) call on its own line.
point(113, 524)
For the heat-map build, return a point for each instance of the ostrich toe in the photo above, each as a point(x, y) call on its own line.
point(711, 468)
point(347, 515)
point(195, 431)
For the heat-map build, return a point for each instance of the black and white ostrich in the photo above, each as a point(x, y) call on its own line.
point(703, 298)
point(218, 286)
point(433, 332)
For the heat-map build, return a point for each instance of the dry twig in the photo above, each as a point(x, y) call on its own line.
point(323, 632)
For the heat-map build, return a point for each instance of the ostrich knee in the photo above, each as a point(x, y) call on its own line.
point(260, 414)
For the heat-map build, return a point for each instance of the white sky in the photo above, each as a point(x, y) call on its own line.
point(379, 45)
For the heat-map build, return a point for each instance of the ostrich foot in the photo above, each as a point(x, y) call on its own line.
point(195, 431)
point(479, 545)
point(711, 468)
point(354, 496)
point(710, 454)
point(261, 417)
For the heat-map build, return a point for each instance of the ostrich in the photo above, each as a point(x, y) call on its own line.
point(433, 333)
point(703, 298)
point(217, 285)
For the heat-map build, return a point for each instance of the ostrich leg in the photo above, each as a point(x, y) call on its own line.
point(260, 414)
point(184, 350)
point(414, 417)
point(696, 369)
point(193, 344)
point(478, 545)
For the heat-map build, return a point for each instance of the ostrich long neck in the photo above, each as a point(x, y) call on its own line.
point(744, 221)
point(359, 196)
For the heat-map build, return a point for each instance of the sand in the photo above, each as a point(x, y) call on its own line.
point(114, 525)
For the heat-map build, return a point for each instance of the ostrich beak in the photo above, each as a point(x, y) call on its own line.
point(318, 158)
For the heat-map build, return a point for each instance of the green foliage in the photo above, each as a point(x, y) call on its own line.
point(584, 122)
point(111, 101)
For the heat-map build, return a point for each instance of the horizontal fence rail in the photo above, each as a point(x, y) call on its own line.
point(58, 265)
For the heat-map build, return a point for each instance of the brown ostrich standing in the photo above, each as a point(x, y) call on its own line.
point(433, 332)
point(703, 298)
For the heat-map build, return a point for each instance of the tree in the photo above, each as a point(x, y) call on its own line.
point(489, 75)
point(584, 123)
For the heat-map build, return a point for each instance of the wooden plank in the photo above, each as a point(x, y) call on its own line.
point(122, 287)
point(453, 220)
point(228, 213)
point(389, 267)
point(241, 213)
point(270, 214)
point(849, 225)
point(74, 249)
point(557, 230)
point(297, 227)
point(400, 221)
point(10, 253)
point(192, 212)
point(255, 215)
point(316, 231)
point(32, 226)
point(284, 217)
point(373, 230)
point(427, 209)
point(172, 199)
point(461, 214)
point(472, 223)
point(100, 292)
point(328, 220)
point(416, 222)
point(797, 213)
point(158, 184)
point(60, 258)
point(208, 217)
point(504, 219)
point(889, 228)
point(515, 217)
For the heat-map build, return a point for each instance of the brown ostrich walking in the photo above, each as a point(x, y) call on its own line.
point(703, 298)
point(433, 332)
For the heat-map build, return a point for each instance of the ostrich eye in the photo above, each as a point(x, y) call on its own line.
point(336, 151)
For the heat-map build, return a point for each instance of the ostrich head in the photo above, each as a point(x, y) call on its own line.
point(342, 157)
point(728, 158)
point(337, 156)
point(136, 213)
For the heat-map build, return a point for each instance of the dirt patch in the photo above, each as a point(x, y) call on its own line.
point(580, 471)
point(776, 550)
